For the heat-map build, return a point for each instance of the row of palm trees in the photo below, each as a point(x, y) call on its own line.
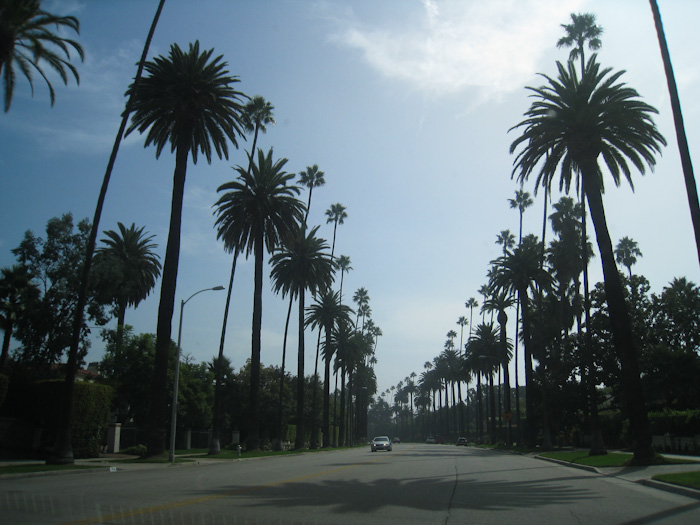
point(576, 118)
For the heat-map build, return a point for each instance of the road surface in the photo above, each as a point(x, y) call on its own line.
point(415, 483)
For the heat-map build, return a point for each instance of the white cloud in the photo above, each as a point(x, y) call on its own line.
point(456, 45)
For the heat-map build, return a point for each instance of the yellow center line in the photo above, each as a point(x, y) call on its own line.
point(212, 497)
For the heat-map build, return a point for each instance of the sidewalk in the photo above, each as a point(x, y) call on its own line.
point(644, 474)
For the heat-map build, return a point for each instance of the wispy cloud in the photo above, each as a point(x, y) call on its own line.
point(456, 45)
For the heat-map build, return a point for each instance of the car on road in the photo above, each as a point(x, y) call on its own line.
point(462, 441)
point(430, 440)
point(381, 443)
point(396, 440)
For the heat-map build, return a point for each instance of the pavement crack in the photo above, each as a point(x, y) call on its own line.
point(452, 496)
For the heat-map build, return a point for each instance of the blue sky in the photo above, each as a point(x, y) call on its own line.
point(404, 104)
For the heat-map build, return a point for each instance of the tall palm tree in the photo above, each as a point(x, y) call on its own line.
point(626, 253)
point(344, 267)
point(471, 304)
point(187, 100)
point(361, 298)
point(302, 264)
point(571, 123)
point(337, 215)
point(26, 42)
point(132, 267)
point(17, 292)
point(258, 212)
point(506, 240)
point(327, 314)
point(63, 449)
point(257, 114)
point(686, 162)
point(522, 202)
point(518, 273)
point(582, 30)
point(312, 178)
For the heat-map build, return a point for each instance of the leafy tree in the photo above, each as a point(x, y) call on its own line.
point(129, 370)
point(26, 42)
point(258, 212)
point(571, 123)
point(45, 327)
point(187, 100)
point(17, 295)
point(676, 316)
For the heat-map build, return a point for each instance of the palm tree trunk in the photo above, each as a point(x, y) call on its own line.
point(300, 441)
point(528, 426)
point(341, 427)
point(327, 392)
point(6, 344)
point(284, 357)
point(159, 402)
point(314, 399)
point(253, 441)
point(623, 337)
point(690, 186)
point(215, 445)
point(63, 448)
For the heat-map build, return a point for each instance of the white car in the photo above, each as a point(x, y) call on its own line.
point(380, 443)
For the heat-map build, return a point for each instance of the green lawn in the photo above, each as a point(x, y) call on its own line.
point(685, 479)
point(611, 459)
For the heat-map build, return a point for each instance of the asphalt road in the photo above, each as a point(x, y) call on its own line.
point(421, 484)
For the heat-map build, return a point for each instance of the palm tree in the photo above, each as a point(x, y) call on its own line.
point(17, 292)
point(327, 314)
point(312, 178)
point(63, 449)
point(132, 267)
point(361, 298)
point(471, 304)
point(626, 253)
point(344, 267)
point(506, 240)
point(572, 123)
point(303, 264)
point(522, 201)
point(580, 31)
point(257, 115)
point(188, 100)
point(258, 213)
point(337, 215)
point(26, 41)
point(686, 162)
point(517, 273)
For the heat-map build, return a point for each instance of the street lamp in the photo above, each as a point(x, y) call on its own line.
point(173, 418)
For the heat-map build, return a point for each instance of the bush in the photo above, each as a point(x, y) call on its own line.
point(136, 450)
point(91, 410)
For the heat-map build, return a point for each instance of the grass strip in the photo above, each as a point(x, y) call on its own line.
point(684, 479)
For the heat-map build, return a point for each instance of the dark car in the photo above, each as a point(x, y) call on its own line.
point(462, 441)
point(396, 440)
point(380, 443)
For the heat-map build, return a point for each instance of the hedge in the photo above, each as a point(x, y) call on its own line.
point(91, 412)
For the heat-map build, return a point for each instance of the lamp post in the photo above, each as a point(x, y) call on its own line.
point(173, 417)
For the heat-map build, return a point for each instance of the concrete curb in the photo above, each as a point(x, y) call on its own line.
point(670, 487)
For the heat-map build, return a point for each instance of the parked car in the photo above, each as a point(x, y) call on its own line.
point(381, 443)
point(396, 440)
point(462, 441)
point(430, 440)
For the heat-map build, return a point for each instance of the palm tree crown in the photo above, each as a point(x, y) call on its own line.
point(26, 42)
point(131, 265)
point(188, 100)
point(582, 29)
